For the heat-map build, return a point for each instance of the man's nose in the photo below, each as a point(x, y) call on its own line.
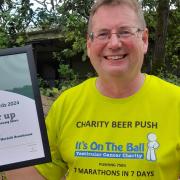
point(114, 41)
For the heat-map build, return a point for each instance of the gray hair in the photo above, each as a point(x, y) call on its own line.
point(134, 4)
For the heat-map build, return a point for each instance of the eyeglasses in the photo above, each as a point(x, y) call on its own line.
point(122, 33)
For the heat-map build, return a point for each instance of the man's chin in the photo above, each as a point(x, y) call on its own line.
point(115, 72)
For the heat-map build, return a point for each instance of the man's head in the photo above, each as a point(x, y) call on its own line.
point(118, 38)
point(131, 3)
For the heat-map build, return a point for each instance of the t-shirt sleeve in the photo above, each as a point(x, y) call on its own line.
point(57, 168)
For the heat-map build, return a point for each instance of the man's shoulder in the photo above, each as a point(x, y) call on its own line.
point(164, 83)
point(78, 90)
point(164, 87)
point(80, 87)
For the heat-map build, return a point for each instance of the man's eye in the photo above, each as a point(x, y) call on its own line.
point(124, 33)
point(102, 35)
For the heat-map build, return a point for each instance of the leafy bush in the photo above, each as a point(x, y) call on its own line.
point(169, 77)
point(46, 90)
point(42, 83)
point(50, 92)
point(68, 78)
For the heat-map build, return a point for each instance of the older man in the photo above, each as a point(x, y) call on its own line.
point(122, 124)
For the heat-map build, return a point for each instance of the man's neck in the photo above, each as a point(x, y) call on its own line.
point(118, 87)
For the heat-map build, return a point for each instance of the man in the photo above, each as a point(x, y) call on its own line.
point(123, 124)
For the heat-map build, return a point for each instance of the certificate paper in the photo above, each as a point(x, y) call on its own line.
point(23, 137)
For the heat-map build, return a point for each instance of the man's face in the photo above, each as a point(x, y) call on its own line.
point(117, 57)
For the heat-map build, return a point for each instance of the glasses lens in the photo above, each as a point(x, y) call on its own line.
point(123, 32)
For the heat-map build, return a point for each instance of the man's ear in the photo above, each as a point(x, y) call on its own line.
point(145, 37)
point(88, 45)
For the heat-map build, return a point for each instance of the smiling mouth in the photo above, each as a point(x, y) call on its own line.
point(116, 58)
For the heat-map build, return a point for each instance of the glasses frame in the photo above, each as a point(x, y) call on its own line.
point(119, 36)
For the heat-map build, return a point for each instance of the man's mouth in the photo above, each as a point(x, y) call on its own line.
point(115, 57)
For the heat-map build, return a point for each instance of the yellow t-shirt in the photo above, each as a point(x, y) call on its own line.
point(96, 137)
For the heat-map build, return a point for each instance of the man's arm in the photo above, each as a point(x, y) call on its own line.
point(27, 173)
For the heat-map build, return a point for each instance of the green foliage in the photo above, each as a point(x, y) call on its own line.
point(3, 39)
point(50, 92)
point(65, 72)
point(172, 57)
point(173, 43)
point(68, 78)
point(46, 90)
point(71, 16)
point(42, 83)
point(169, 77)
point(15, 19)
point(74, 19)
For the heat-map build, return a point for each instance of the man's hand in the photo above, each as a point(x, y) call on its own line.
point(27, 173)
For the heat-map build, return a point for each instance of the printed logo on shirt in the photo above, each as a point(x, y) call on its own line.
point(152, 146)
point(122, 151)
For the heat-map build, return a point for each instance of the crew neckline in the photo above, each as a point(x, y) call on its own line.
point(140, 92)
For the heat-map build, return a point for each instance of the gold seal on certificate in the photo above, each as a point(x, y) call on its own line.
point(23, 137)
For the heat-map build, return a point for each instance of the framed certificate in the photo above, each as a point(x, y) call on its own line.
point(23, 136)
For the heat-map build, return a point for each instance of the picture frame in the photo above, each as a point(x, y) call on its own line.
point(23, 135)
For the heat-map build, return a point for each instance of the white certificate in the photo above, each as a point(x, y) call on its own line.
point(23, 137)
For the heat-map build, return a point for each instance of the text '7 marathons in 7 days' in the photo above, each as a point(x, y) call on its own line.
point(102, 172)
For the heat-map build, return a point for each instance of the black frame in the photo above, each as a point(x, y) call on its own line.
point(32, 69)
